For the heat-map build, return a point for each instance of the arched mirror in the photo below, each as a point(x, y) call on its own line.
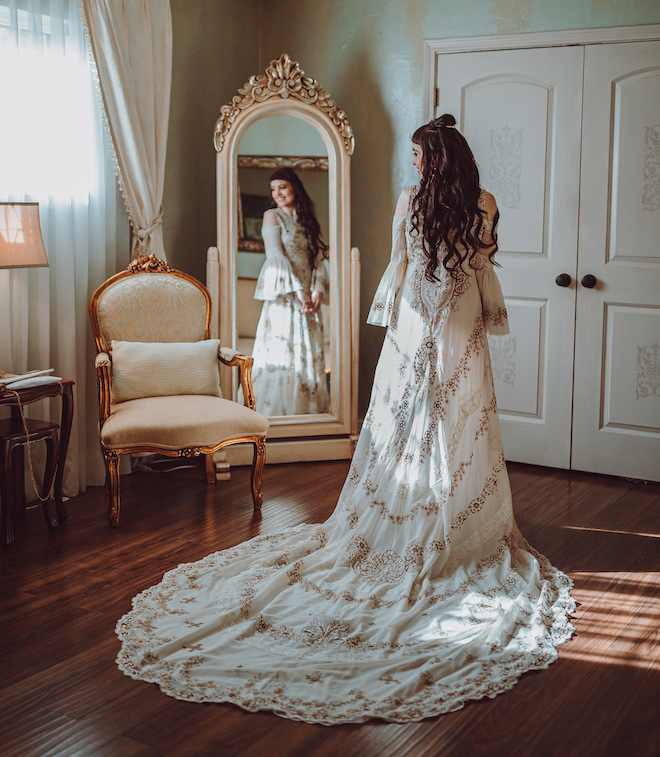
point(286, 290)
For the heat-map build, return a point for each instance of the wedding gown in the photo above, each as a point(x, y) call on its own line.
point(419, 592)
point(288, 374)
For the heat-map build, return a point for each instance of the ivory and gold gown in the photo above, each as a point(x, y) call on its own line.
point(288, 374)
point(419, 592)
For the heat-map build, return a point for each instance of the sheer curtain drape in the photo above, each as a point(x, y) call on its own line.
point(132, 44)
point(54, 149)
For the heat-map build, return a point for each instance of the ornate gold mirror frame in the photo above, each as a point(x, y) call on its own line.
point(284, 89)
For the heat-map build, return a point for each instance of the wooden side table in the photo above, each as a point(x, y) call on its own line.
point(12, 443)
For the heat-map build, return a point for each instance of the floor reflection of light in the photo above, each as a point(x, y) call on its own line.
point(618, 620)
point(612, 531)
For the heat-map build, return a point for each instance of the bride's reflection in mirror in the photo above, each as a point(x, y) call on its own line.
point(289, 371)
point(283, 291)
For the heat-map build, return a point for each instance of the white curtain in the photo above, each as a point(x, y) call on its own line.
point(54, 150)
point(132, 44)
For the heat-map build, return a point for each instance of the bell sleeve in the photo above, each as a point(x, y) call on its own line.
point(276, 277)
point(493, 308)
point(385, 297)
point(320, 280)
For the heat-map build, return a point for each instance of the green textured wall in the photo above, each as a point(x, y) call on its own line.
point(368, 55)
point(215, 50)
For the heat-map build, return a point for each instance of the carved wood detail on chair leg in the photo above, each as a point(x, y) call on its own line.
point(111, 459)
point(258, 462)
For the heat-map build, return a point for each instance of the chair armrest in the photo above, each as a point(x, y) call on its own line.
point(230, 357)
point(103, 366)
point(227, 355)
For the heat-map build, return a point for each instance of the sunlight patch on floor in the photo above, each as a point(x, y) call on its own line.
point(618, 620)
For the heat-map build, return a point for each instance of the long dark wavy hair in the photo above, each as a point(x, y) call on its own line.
point(304, 211)
point(446, 204)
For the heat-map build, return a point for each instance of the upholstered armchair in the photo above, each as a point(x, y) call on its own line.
point(158, 375)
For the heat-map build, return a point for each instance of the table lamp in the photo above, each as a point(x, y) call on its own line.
point(21, 243)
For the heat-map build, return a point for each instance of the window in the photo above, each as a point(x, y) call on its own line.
point(49, 127)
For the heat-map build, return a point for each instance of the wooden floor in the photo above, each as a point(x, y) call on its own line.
point(62, 593)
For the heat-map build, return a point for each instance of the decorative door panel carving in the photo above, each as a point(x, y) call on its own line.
point(511, 146)
point(635, 196)
point(631, 390)
point(616, 424)
point(520, 112)
point(517, 359)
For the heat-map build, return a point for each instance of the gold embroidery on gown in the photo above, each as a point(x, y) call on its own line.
point(419, 592)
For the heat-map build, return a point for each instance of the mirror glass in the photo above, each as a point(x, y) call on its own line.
point(285, 277)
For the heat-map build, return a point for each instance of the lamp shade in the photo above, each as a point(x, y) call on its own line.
point(21, 244)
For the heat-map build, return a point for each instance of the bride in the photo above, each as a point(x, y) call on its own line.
point(288, 374)
point(419, 592)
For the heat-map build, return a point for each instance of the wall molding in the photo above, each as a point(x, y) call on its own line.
point(565, 38)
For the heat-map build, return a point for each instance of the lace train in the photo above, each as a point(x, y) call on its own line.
point(418, 593)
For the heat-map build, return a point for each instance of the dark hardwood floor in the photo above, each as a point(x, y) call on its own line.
point(62, 593)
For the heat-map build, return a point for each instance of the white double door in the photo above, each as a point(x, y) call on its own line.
point(568, 141)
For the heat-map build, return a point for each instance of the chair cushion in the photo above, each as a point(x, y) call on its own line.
point(178, 422)
point(158, 369)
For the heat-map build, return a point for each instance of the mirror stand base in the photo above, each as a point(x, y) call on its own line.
point(295, 450)
point(221, 465)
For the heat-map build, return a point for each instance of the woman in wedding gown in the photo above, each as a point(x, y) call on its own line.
point(288, 374)
point(419, 592)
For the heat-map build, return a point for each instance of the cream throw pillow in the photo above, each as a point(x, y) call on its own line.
point(158, 369)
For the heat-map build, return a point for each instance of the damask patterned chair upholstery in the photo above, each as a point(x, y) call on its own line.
point(158, 375)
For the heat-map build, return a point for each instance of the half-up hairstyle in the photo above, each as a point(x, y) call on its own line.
point(304, 211)
point(446, 203)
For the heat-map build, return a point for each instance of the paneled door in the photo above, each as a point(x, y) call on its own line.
point(616, 420)
point(520, 112)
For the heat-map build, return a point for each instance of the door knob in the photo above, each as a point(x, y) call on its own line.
point(563, 280)
point(588, 281)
